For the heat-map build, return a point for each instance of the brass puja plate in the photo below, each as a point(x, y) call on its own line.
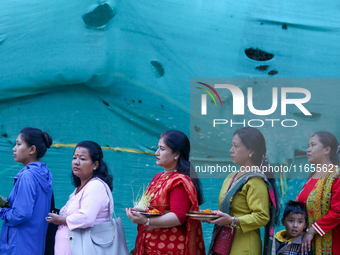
point(206, 216)
point(149, 215)
point(201, 213)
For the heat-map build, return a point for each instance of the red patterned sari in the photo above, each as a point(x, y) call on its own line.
point(186, 239)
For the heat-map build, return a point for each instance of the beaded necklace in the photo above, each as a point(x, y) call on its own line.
point(81, 187)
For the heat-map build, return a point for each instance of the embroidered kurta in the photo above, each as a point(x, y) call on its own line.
point(94, 210)
point(328, 226)
point(251, 206)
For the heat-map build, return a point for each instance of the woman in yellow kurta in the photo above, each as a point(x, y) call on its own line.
point(247, 198)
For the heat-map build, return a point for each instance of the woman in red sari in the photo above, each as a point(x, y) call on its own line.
point(173, 193)
point(321, 195)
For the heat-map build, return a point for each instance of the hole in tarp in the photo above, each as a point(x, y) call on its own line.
point(99, 16)
point(257, 54)
point(314, 116)
point(273, 72)
point(158, 68)
point(284, 26)
point(106, 103)
point(262, 68)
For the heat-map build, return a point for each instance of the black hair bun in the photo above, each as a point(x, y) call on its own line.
point(47, 140)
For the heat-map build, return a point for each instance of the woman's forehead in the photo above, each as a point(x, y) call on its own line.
point(81, 151)
point(161, 141)
point(314, 138)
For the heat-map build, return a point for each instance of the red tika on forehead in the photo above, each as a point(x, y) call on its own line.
point(77, 149)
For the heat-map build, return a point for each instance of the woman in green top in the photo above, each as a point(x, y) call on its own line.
point(247, 198)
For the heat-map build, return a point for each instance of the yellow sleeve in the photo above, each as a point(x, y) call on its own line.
point(224, 188)
point(258, 202)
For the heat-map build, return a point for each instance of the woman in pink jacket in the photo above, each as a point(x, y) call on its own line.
point(88, 204)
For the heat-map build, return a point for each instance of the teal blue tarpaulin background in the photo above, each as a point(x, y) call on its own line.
point(118, 73)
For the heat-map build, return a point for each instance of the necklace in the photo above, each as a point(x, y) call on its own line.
point(160, 185)
point(168, 173)
point(81, 187)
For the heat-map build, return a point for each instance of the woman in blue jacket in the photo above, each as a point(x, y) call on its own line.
point(24, 226)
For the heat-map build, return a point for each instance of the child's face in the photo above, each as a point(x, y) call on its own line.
point(295, 224)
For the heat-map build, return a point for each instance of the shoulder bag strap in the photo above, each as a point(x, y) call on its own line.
point(106, 188)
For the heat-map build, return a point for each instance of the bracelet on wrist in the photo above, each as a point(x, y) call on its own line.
point(233, 223)
point(310, 232)
point(147, 223)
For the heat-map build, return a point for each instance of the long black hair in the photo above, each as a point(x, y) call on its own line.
point(328, 139)
point(34, 136)
point(96, 154)
point(253, 139)
point(178, 142)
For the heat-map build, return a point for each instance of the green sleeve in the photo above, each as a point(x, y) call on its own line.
point(258, 202)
